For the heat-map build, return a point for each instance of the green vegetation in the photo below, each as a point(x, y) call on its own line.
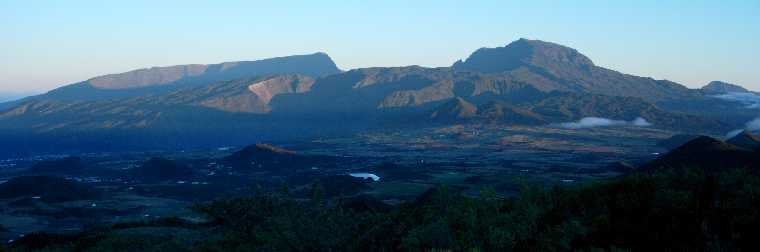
point(668, 210)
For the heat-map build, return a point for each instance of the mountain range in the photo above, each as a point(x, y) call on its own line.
point(528, 82)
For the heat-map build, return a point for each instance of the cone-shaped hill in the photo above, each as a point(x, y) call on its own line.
point(265, 157)
point(709, 154)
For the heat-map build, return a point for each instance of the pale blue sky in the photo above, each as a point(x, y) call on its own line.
point(47, 44)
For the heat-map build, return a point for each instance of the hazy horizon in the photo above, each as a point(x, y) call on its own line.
point(54, 44)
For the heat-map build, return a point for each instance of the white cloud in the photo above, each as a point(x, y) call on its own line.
point(753, 125)
point(591, 122)
point(641, 122)
point(749, 100)
point(733, 133)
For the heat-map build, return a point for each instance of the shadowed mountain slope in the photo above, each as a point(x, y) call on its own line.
point(248, 95)
point(563, 107)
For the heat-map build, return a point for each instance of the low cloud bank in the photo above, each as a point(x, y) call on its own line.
point(753, 125)
point(749, 100)
point(592, 122)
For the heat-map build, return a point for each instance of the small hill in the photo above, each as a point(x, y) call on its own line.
point(48, 188)
point(746, 140)
point(259, 152)
point(64, 165)
point(676, 140)
point(719, 87)
point(265, 157)
point(160, 169)
point(709, 154)
point(704, 144)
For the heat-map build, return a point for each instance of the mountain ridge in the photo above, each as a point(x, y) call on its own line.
point(543, 83)
point(158, 80)
point(321, 64)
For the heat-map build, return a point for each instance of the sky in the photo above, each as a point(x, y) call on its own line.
point(48, 44)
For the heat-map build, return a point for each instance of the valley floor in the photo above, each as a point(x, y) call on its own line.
point(466, 158)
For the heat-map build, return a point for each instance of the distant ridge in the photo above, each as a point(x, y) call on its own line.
point(315, 65)
point(164, 79)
